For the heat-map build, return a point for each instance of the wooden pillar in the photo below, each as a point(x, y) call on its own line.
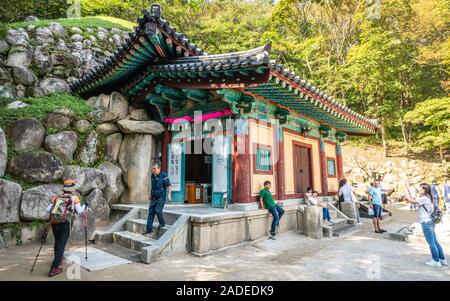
point(339, 162)
point(281, 185)
point(167, 139)
point(323, 167)
point(241, 163)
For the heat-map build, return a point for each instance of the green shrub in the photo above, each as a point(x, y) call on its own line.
point(40, 107)
point(18, 10)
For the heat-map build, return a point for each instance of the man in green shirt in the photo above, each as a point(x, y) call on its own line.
point(266, 201)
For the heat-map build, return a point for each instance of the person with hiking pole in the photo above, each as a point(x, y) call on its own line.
point(62, 209)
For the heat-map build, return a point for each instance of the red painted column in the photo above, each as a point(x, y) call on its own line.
point(281, 185)
point(241, 163)
point(339, 162)
point(323, 167)
point(167, 139)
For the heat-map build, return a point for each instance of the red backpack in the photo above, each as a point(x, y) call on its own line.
point(63, 209)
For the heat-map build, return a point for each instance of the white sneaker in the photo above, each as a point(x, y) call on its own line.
point(360, 224)
point(433, 263)
point(444, 262)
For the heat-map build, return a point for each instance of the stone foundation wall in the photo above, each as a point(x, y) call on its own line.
point(212, 234)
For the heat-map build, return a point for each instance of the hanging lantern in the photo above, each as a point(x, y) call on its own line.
point(324, 130)
point(305, 129)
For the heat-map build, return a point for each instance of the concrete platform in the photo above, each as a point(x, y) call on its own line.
point(97, 259)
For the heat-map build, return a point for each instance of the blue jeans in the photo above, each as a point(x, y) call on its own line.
point(357, 213)
point(277, 212)
point(156, 207)
point(435, 248)
point(326, 214)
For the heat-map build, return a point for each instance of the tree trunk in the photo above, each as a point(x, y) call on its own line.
point(405, 136)
point(383, 137)
point(441, 152)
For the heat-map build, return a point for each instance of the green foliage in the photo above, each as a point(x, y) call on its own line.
point(23, 184)
point(85, 22)
point(434, 115)
point(17, 10)
point(36, 225)
point(15, 232)
point(40, 107)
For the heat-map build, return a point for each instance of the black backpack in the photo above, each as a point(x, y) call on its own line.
point(436, 215)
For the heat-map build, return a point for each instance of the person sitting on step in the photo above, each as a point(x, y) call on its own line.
point(313, 201)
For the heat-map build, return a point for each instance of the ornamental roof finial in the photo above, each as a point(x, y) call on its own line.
point(155, 10)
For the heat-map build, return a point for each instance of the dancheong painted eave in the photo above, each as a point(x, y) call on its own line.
point(157, 55)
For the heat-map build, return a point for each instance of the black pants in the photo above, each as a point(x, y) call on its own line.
point(61, 233)
point(384, 198)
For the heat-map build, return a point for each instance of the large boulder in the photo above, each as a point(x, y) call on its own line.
point(31, 19)
point(100, 102)
point(107, 128)
point(54, 85)
point(39, 167)
point(10, 194)
point(4, 47)
point(42, 59)
point(63, 144)
point(57, 29)
point(60, 119)
point(36, 200)
point(140, 127)
point(3, 153)
point(17, 104)
point(44, 35)
point(14, 35)
point(114, 185)
point(139, 114)
point(99, 205)
point(112, 147)
point(119, 105)
point(99, 116)
point(24, 76)
point(77, 235)
point(135, 160)
point(27, 134)
point(82, 126)
point(87, 179)
point(19, 55)
point(88, 154)
point(66, 59)
point(7, 92)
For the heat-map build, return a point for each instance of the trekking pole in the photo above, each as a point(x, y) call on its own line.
point(44, 238)
point(85, 231)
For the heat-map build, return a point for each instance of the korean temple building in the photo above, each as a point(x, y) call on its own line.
point(283, 129)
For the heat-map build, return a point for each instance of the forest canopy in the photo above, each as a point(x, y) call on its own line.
point(388, 59)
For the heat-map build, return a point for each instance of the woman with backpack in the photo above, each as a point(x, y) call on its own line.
point(62, 209)
point(427, 221)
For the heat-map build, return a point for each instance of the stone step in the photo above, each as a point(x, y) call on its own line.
point(338, 222)
point(169, 218)
point(132, 240)
point(139, 226)
point(341, 231)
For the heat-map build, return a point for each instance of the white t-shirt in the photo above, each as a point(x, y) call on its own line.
point(384, 187)
point(424, 216)
point(346, 191)
point(312, 201)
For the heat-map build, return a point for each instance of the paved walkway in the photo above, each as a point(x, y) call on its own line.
point(363, 255)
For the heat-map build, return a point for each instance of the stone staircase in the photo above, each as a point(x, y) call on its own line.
point(341, 224)
point(173, 238)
